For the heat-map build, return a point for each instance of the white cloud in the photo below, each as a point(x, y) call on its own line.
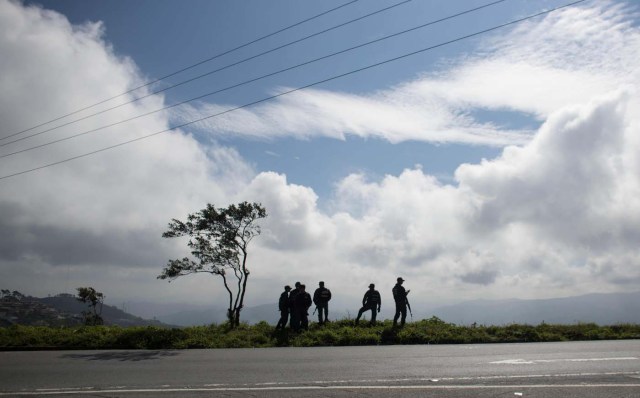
point(389, 115)
point(558, 216)
point(294, 222)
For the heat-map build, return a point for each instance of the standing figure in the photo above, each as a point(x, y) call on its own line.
point(295, 322)
point(283, 306)
point(302, 302)
point(400, 297)
point(370, 301)
point(321, 298)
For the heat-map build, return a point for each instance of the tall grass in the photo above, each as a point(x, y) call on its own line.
point(339, 333)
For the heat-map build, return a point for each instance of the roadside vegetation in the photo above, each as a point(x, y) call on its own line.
point(338, 333)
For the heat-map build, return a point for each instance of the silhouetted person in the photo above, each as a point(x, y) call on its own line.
point(283, 306)
point(295, 321)
point(370, 301)
point(301, 305)
point(321, 298)
point(400, 297)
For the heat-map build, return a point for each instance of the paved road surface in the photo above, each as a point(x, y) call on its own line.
point(582, 369)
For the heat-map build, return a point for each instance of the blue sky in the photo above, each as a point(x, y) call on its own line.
point(505, 165)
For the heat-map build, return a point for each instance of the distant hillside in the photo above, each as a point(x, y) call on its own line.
point(24, 310)
point(110, 314)
point(60, 310)
point(603, 309)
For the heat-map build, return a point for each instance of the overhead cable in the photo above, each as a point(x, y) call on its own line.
point(244, 82)
point(187, 67)
point(208, 73)
point(297, 89)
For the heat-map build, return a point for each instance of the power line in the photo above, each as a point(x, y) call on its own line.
point(297, 89)
point(188, 67)
point(207, 73)
point(244, 82)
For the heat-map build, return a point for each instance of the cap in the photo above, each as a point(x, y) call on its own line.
point(321, 283)
point(400, 279)
point(287, 287)
point(372, 285)
point(297, 284)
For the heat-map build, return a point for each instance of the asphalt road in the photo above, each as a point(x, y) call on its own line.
point(580, 369)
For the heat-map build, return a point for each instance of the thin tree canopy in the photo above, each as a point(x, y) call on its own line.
point(92, 297)
point(218, 240)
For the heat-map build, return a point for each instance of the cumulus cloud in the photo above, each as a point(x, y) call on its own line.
point(294, 221)
point(554, 217)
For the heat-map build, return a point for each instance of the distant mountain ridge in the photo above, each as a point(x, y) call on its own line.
point(60, 310)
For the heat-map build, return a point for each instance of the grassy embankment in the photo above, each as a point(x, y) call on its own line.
point(339, 333)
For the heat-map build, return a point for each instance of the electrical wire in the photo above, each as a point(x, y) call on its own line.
point(187, 67)
point(297, 89)
point(209, 73)
point(244, 82)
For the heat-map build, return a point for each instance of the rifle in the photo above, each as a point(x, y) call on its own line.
point(409, 307)
point(314, 311)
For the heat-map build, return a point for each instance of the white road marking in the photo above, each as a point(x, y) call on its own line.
point(347, 387)
point(534, 361)
point(450, 379)
point(340, 384)
point(70, 388)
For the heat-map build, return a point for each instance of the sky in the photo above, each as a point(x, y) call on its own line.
point(502, 165)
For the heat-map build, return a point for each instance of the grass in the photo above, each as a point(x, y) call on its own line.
point(338, 333)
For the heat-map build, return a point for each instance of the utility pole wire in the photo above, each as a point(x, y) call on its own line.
point(186, 68)
point(206, 74)
point(243, 83)
point(297, 89)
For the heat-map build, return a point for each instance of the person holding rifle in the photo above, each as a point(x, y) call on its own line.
point(400, 297)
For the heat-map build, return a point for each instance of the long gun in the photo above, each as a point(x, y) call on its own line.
point(314, 311)
point(409, 307)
